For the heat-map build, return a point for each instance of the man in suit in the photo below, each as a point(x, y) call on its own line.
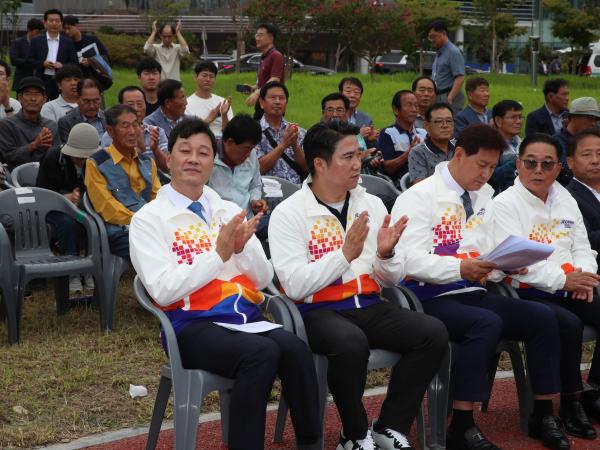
point(548, 118)
point(50, 51)
point(88, 110)
point(583, 157)
point(478, 96)
point(19, 48)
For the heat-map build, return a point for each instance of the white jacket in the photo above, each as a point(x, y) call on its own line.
point(438, 235)
point(174, 254)
point(517, 211)
point(306, 242)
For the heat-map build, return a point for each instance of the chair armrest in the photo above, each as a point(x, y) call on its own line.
point(279, 311)
point(413, 300)
point(498, 288)
point(394, 295)
point(297, 320)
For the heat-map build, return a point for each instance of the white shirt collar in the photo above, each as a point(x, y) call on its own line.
point(48, 37)
point(593, 191)
point(181, 201)
point(451, 182)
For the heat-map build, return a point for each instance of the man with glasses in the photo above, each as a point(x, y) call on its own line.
point(120, 179)
point(448, 70)
point(583, 114)
point(334, 107)
point(213, 109)
point(437, 146)
point(352, 89)
point(541, 210)
point(507, 117)
point(8, 105)
point(88, 110)
point(166, 53)
point(26, 135)
point(424, 89)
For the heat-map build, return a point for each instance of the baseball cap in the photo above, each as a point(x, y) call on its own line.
point(28, 82)
point(82, 142)
point(584, 106)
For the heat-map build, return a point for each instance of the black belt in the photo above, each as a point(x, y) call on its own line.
point(444, 91)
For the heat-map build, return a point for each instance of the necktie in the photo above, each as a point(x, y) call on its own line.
point(466, 201)
point(197, 208)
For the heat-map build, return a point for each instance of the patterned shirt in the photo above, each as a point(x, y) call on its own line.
point(424, 157)
point(281, 168)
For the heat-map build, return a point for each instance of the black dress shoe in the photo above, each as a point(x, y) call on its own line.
point(591, 404)
point(576, 421)
point(472, 439)
point(548, 429)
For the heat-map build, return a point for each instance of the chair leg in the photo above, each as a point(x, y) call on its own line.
point(524, 391)
point(224, 400)
point(61, 294)
point(421, 432)
point(188, 395)
point(103, 289)
point(282, 411)
point(491, 378)
point(110, 281)
point(438, 394)
point(158, 412)
point(321, 369)
point(12, 307)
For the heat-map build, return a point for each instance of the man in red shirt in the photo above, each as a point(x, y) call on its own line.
point(271, 61)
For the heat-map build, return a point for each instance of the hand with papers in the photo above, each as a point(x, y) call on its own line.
point(516, 252)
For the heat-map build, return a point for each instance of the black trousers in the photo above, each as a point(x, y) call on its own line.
point(476, 321)
point(346, 338)
point(254, 360)
point(572, 315)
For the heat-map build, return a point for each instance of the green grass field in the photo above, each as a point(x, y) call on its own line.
point(306, 92)
point(72, 380)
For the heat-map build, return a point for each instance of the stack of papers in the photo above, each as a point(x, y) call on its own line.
point(517, 252)
point(272, 188)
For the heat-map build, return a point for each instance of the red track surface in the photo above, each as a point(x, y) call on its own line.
point(499, 424)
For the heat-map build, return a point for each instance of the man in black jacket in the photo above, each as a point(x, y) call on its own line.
point(61, 170)
point(19, 48)
point(548, 118)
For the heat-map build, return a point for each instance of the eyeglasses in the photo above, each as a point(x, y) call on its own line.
point(440, 122)
point(531, 164)
point(335, 110)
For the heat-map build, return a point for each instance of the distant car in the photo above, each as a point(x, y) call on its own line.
point(397, 61)
point(250, 62)
point(216, 58)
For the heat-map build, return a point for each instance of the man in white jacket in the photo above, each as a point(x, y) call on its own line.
point(332, 246)
point(442, 241)
point(202, 264)
point(539, 208)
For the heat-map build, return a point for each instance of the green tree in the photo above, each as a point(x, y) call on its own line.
point(8, 16)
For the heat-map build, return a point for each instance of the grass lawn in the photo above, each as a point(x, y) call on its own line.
point(72, 380)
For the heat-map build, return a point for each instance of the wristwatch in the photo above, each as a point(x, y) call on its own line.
point(388, 256)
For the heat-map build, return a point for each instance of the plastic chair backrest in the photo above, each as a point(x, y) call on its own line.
point(405, 182)
point(378, 186)
point(25, 175)
point(87, 205)
point(169, 333)
point(287, 189)
point(28, 208)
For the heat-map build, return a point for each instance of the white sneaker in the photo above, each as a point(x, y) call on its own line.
point(390, 439)
point(88, 282)
point(75, 286)
point(361, 444)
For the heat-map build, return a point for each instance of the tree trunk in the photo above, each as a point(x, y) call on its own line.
point(289, 61)
point(494, 67)
point(338, 55)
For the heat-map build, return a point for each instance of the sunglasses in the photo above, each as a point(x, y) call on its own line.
point(531, 164)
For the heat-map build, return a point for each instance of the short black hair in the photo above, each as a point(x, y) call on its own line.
point(6, 67)
point(113, 113)
point(423, 77)
point(271, 28)
point(163, 26)
point(320, 141)
point(271, 85)
point(147, 64)
point(53, 11)
point(575, 140)
point(539, 138)
point(242, 128)
point(474, 82)
point(335, 96)
point(189, 127)
point(480, 135)
point(70, 20)
point(435, 107)
point(438, 26)
point(166, 90)
point(351, 80)
point(85, 83)
point(397, 98)
point(35, 24)
point(68, 71)
point(205, 65)
point(553, 85)
point(128, 89)
point(502, 107)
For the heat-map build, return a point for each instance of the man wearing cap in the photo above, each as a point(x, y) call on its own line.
point(26, 135)
point(583, 114)
point(61, 170)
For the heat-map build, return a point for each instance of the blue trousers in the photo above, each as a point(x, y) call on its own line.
point(571, 315)
point(119, 243)
point(476, 321)
point(66, 231)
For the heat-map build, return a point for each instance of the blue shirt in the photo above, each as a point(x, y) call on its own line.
point(394, 141)
point(448, 64)
point(158, 119)
point(360, 119)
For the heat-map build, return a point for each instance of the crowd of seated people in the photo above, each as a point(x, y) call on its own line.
point(177, 182)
